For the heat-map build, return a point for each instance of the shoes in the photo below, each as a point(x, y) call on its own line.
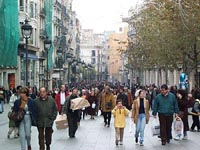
point(192, 130)
point(16, 136)
point(8, 136)
point(168, 141)
point(120, 142)
point(108, 125)
point(163, 143)
point(198, 130)
point(29, 147)
point(136, 140)
point(185, 137)
point(141, 144)
point(73, 136)
point(105, 124)
point(47, 147)
point(116, 142)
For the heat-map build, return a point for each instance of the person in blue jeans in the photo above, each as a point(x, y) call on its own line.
point(140, 115)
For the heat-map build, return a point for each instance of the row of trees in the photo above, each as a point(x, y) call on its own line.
point(167, 34)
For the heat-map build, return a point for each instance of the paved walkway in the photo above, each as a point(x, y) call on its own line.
point(92, 135)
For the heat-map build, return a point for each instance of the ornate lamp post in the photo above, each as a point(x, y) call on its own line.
point(47, 45)
point(26, 32)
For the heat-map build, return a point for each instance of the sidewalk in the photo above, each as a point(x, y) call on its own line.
point(92, 135)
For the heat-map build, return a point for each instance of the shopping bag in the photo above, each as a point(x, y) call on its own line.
point(155, 127)
point(79, 103)
point(131, 126)
point(178, 128)
point(93, 105)
point(61, 122)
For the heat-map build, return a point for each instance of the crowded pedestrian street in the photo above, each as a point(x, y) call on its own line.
point(92, 135)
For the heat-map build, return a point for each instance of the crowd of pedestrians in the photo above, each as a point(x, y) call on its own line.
point(41, 107)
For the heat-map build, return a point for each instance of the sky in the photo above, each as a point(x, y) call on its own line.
point(102, 15)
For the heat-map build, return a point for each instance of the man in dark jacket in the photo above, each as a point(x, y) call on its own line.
point(72, 115)
point(123, 97)
point(165, 105)
point(47, 112)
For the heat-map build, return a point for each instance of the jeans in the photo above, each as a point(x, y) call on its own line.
point(140, 126)
point(25, 132)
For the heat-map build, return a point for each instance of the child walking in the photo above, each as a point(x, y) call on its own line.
point(12, 126)
point(119, 112)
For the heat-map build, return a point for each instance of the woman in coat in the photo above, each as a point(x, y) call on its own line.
point(183, 110)
point(140, 115)
point(26, 104)
point(93, 103)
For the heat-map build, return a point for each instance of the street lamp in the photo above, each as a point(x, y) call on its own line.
point(60, 60)
point(26, 32)
point(47, 45)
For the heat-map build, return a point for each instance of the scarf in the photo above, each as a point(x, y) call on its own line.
point(23, 103)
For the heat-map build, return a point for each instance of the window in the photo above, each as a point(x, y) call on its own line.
point(93, 53)
point(21, 5)
point(31, 10)
point(93, 61)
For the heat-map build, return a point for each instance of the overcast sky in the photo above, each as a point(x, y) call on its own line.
point(102, 15)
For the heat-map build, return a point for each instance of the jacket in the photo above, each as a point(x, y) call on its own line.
point(57, 98)
point(165, 105)
point(120, 117)
point(67, 107)
point(135, 110)
point(107, 97)
point(31, 108)
point(47, 111)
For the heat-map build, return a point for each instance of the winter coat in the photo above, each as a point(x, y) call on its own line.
point(120, 117)
point(135, 110)
point(31, 108)
point(57, 98)
point(165, 105)
point(107, 97)
point(47, 111)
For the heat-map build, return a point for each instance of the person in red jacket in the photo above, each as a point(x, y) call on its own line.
point(61, 97)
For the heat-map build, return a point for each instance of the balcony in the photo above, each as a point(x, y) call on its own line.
point(42, 13)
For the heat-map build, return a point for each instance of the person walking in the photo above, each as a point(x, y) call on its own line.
point(26, 104)
point(119, 112)
point(140, 115)
point(182, 97)
point(92, 99)
point(196, 114)
point(107, 104)
point(12, 126)
point(166, 106)
point(61, 97)
point(123, 97)
point(73, 116)
point(47, 111)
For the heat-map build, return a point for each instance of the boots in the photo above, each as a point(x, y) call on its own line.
point(29, 147)
point(47, 147)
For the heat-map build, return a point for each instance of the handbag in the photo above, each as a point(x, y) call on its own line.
point(17, 116)
point(109, 105)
